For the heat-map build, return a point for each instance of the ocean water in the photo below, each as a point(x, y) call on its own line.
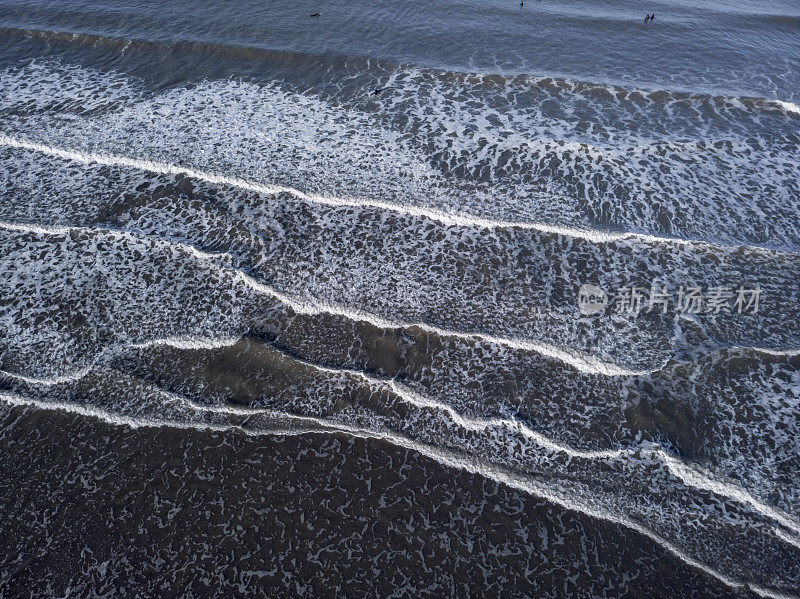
point(296, 306)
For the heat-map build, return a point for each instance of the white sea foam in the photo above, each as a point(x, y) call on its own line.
point(788, 106)
point(443, 457)
point(267, 140)
point(689, 474)
point(189, 342)
point(448, 219)
point(788, 352)
point(651, 165)
point(444, 218)
point(312, 307)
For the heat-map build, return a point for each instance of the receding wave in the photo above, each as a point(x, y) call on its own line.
point(299, 255)
point(312, 307)
point(502, 164)
point(315, 425)
point(284, 59)
point(444, 218)
point(688, 474)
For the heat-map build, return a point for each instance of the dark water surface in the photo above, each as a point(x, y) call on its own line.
point(266, 332)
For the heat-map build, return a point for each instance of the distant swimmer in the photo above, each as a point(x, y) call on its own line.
point(646, 18)
point(378, 91)
point(653, 16)
point(316, 14)
point(521, 2)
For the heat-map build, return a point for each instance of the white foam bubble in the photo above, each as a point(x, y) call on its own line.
point(312, 425)
point(313, 307)
point(788, 106)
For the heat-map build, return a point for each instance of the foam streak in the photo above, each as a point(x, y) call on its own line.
point(444, 218)
point(442, 457)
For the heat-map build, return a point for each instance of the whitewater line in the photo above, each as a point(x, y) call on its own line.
point(442, 457)
point(440, 216)
point(185, 342)
point(582, 363)
point(49, 230)
point(138, 421)
point(483, 470)
point(313, 307)
point(780, 353)
point(691, 476)
point(787, 106)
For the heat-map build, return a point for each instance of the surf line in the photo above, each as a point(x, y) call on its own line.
point(186, 342)
point(443, 457)
point(689, 475)
point(313, 307)
point(440, 216)
point(50, 230)
point(138, 421)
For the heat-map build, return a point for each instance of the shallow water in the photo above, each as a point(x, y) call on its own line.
point(267, 331)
